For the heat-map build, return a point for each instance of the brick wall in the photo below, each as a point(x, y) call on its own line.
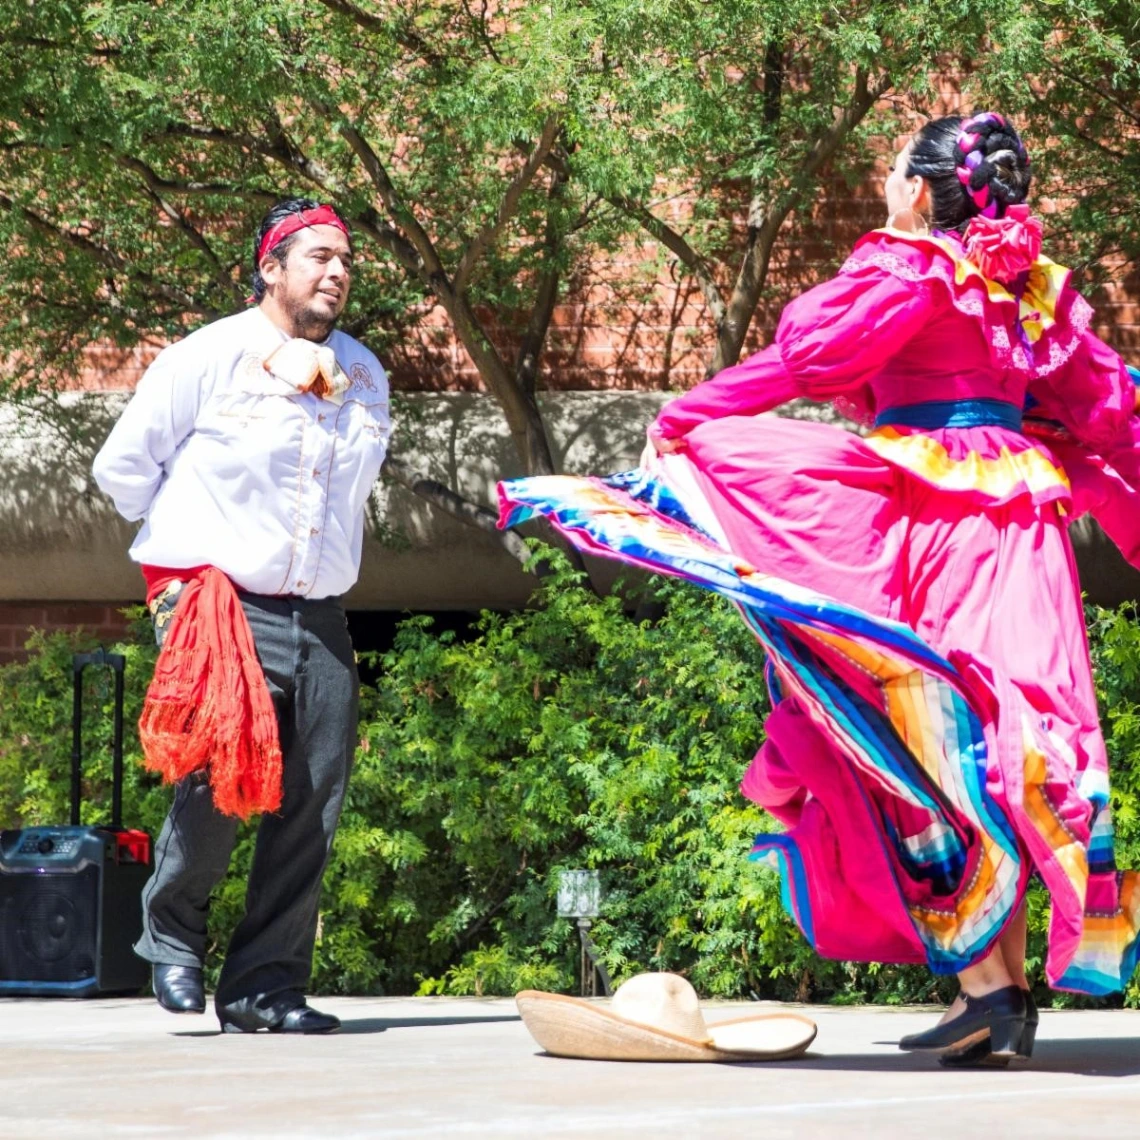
point(1117, 307)
point(105, 622)
point(622, 329)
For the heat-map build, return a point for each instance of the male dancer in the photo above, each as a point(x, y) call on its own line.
point(250, 448)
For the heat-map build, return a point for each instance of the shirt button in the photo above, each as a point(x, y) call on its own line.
point(321, 418)
point(316, 472)
point(314, 530)
point(298, 583)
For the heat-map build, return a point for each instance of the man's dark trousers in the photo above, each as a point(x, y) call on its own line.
point(309, 666)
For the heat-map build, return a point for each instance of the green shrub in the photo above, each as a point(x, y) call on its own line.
point(563, 736)
point(35, 750)
point(1114, 642)
point(35, 732)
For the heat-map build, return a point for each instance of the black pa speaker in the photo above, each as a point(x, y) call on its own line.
point(70, 897)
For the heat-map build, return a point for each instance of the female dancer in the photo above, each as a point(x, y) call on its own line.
point(934, 736)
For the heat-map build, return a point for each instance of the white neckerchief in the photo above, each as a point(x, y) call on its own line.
point(309, 367)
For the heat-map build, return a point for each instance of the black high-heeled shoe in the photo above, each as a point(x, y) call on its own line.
point(979, 1054)
point(1032, 1018)
point(997, 1018)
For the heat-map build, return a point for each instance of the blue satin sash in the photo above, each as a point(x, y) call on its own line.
point(981, 412)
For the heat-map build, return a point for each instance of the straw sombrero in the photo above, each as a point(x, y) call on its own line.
point(657, 1017)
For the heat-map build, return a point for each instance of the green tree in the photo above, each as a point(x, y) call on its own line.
point(1071, 72)
point(493, 157)
point(487, 157)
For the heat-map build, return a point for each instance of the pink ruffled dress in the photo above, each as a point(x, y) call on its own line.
point(934, 738)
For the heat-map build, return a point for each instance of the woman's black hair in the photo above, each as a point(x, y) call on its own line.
point(281, 249)
point(1001, 168)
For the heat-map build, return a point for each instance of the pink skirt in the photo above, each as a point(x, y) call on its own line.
point(934, 738)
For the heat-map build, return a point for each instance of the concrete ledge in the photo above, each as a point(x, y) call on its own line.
point(60, 539)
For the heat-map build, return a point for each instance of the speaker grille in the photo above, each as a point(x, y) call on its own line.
point(48, 925)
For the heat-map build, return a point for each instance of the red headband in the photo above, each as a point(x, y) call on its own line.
point(320, 216)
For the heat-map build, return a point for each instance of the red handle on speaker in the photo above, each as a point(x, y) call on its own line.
point(134, 845)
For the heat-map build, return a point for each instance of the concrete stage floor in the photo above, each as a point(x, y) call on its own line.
point(429, 1067)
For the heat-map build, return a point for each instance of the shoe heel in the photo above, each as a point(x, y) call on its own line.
point(1006, 1036)
point(232, 1024)
point(1028, 1037)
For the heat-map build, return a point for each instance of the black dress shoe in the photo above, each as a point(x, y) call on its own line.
point(997, 1017)
point(246, 1016)
point(179, 989)
point(980, 1055)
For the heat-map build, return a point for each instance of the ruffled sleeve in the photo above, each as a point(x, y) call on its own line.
point(830, 341)
point(1093, 395)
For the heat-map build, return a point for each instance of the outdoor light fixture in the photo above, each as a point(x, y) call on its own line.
point(580, 897)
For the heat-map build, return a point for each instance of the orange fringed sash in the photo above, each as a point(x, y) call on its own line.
point(208, 705)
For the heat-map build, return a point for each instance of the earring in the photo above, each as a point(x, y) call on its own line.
point(908, 220)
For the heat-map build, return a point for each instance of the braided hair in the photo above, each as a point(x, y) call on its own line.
point(973, 166)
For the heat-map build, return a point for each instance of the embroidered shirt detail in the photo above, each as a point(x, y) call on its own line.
point(361, 377)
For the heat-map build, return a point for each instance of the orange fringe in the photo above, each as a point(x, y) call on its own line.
point(208, 705)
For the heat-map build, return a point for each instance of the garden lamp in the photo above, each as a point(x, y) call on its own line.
point(580, 897)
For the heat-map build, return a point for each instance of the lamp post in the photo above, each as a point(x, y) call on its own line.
point(580, 897)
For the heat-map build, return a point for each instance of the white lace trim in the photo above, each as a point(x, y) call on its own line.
point(893, 264)
point(1080, 315)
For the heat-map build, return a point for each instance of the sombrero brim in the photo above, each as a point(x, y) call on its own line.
point(569, 1027)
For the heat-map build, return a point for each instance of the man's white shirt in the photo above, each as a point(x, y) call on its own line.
point(231, 467)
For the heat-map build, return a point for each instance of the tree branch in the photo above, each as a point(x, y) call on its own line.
point(680, 248)
point(455, 505)
point(557, 162)
point(1079, 132)
point(281, 150)
point(154, 188)
point(530, 350)
point(110, 259)
point(386, 188)
point(507, 207)
point(390, 239)
point(379, 26)
point(55, 45)
point(764, 226)
point(1130, 113)
point(480, 23)
point(866, 95)
point(520, 409)
point(286, 153)
point(282, 147)
point(357, 15)
point(774, 73)
point(160, 185)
